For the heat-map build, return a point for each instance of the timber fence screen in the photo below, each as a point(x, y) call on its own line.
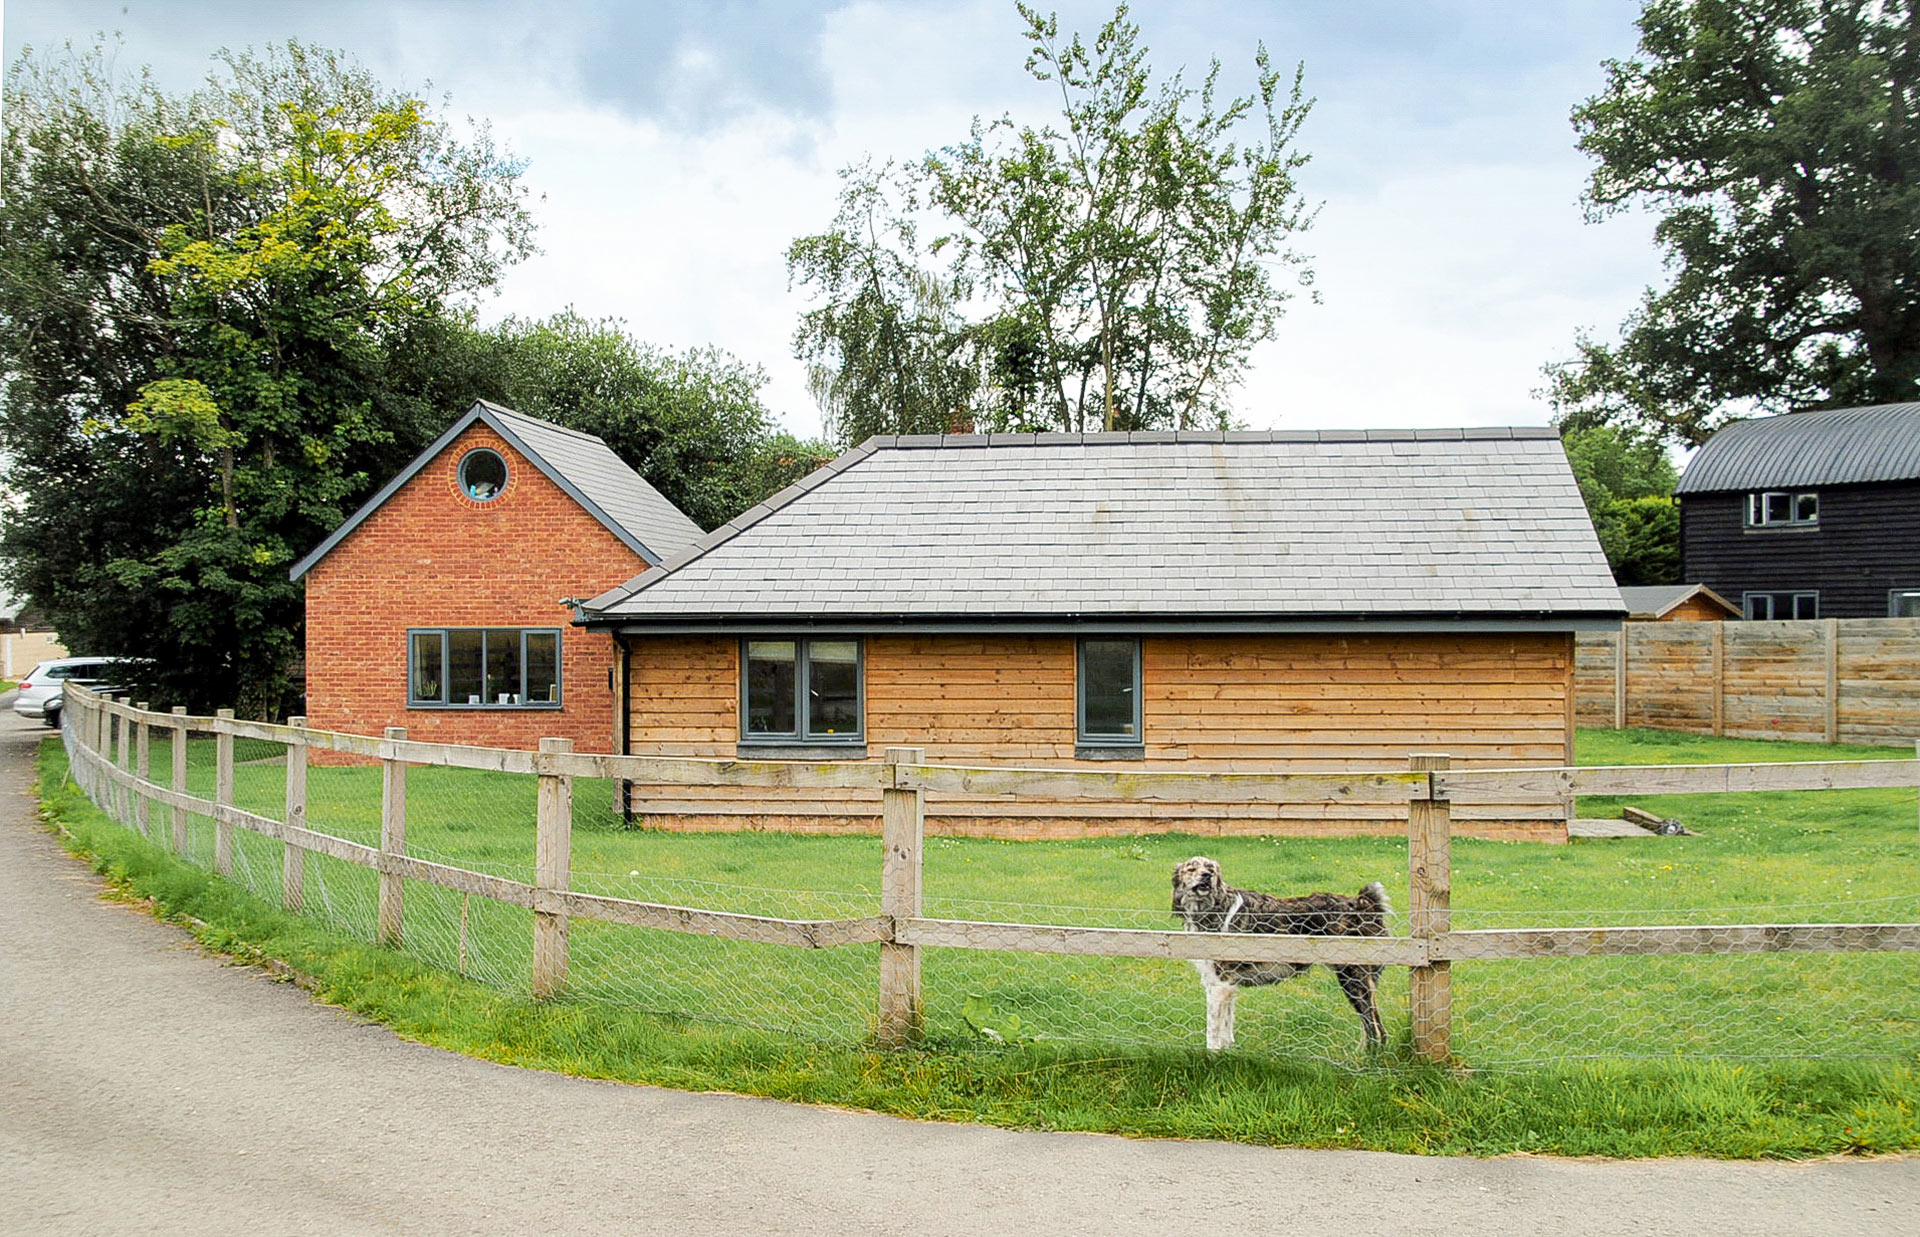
point(1821, 680)
point(507, 867)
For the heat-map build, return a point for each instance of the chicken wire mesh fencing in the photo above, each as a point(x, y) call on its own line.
point(1705, 1001)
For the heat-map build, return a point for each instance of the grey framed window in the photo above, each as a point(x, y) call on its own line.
point(802, 691)
point(483, 668)
point(483, 474)
point(1903, 603)
point(1800, 605)
point(1782, 509)
point(1108, 699)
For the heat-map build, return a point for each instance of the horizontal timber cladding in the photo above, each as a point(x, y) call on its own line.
point(1861, 546)
point(1774, 679)
point(1211, 703)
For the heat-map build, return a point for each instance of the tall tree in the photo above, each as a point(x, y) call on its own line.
point(886, 351)
point(197, 299)
point(1780, 142)
point(1111, 269)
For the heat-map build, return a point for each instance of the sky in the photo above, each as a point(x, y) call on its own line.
point(676, 149)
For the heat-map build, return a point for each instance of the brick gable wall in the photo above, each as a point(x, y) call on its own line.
point(433, 557)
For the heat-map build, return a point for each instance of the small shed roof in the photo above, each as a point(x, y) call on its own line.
point(1654, 601)
point(1833, 446)
point(1067, 529)
point(580, 464)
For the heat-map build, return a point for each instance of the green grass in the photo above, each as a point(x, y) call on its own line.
point(686, 1011)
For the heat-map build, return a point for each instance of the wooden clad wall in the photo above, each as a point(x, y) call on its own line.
point(1215, 702)
point(1862, 547)
point(1775, 679)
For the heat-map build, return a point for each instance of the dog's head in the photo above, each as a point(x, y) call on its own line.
point(1197, 886)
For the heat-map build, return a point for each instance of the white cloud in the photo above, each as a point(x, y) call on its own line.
point(681, 147)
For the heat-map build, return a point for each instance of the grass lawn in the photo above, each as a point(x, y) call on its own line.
point(1630, 1056)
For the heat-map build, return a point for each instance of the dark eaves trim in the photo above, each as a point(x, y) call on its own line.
point(1031, 625)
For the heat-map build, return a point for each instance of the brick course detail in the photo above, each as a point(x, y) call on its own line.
point(433, 557)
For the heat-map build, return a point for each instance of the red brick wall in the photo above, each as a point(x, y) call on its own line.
point(432, 557)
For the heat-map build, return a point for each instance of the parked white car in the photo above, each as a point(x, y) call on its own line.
point(42, 691)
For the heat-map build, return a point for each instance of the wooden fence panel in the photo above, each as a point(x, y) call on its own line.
point(1831, 680)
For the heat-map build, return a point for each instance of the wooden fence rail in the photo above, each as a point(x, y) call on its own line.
point(109, 745)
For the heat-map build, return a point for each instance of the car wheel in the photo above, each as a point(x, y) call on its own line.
point(53, 718)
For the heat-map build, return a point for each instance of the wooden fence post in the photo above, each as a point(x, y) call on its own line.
point(1620, 677)
point(223, 791)
point(902, 830)
point(1719, 678)
point(552, 869)
point(393, 840)
point(293, 856)
point(1430, 899)
point(179, 782)
point(1833, 680)
point(143, 769)
point(116, 754)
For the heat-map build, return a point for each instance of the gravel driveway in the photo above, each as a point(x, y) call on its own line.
point(146, 1087)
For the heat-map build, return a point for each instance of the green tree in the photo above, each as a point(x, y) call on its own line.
point(1627, 481)
point(1641, 539)
point(1113, 269)
point(198, 297)
point(1777, 139)
point(886, 351)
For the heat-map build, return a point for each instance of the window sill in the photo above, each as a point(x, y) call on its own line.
point(1109, 751)
point(801, 751)
point(543, 706)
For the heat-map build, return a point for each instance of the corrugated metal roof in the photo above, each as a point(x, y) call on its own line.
point(1834, 446)
point(580, 464)
point(1331, 525)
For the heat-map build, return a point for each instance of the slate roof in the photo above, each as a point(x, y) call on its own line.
point(1655, 600)
point(1270, 527)
point(580, 464)
point(1834, 446)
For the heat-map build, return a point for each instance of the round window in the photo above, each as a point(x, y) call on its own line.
point(483, 474)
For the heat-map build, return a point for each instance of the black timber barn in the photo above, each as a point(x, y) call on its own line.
point(1808, 515)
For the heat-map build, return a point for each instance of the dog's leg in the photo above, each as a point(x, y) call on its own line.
point(1358, 983)
point(1220, 996)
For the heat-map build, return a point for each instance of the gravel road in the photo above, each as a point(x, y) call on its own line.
point(146, 1087)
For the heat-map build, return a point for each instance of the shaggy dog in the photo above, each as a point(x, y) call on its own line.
point(1209, 904)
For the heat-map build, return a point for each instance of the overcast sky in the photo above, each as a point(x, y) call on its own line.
point(678, 147)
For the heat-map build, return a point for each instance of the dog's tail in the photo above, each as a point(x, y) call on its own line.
point(1376, 893)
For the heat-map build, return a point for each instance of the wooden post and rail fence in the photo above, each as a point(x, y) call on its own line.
point(109, 741)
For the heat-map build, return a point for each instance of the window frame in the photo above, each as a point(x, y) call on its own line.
point(460, 473)
point(1756, 509)
point(446, 680)
point(1105, 746)
point(1793, 598)
point(1893, 601)
point(801, 735)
